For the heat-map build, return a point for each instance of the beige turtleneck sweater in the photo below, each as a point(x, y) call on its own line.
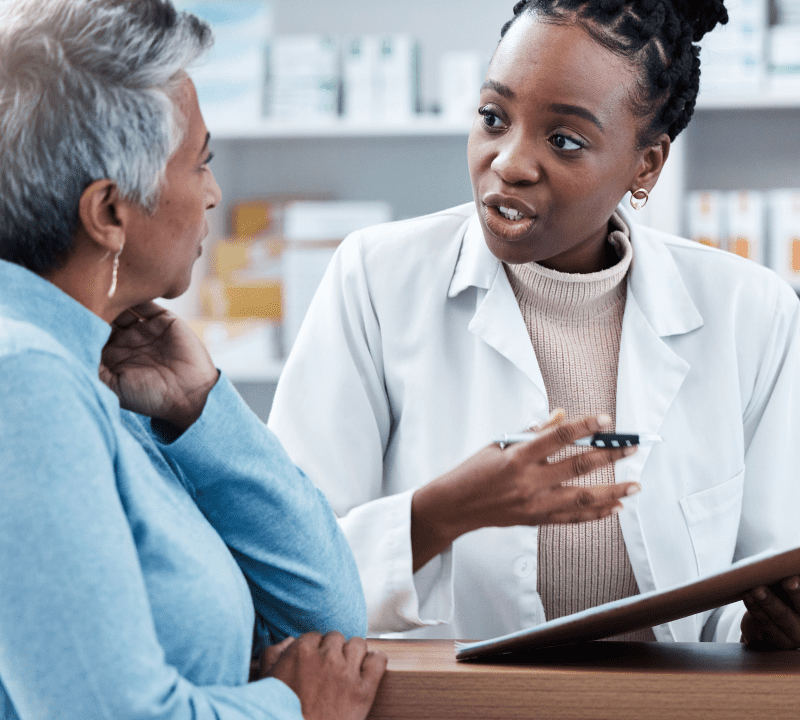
point(575, 323)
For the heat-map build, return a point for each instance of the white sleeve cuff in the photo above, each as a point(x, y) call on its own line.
point(379, 532)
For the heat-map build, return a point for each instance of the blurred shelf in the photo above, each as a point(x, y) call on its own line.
point(760, 101)
point(432, 126)
point(424, 126)
point(238, 371)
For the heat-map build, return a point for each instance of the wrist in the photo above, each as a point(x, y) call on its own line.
point(435, 522)
point(182, 415)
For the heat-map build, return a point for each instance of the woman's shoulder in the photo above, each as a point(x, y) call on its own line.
point(711, 270)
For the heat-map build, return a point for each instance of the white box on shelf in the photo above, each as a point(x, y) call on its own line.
point(784, 58)
point(230, 79)
point(312, 231)
point(397, 76)
point(704, 217)
point(784, 234)
point(460, 76)
point(746, 224)
point(331, 219)
point(359, 68)
point(302, 83)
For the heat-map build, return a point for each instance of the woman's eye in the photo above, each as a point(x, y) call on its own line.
point(490, 118)
point(564, 142)
point(208, 159)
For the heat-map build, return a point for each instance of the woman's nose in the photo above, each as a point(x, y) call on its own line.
point(516, 162)
point(215, 194)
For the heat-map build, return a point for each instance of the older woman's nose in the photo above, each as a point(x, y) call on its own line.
point(516, 161)
point(215, 194)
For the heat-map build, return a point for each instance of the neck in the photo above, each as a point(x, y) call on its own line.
point(86, 277)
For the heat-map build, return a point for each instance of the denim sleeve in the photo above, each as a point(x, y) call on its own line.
point(279, 527)
point(77, 634)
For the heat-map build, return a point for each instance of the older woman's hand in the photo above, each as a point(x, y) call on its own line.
point(332, 677)
point(157, 366)
point(772, 620)
point(517, 485)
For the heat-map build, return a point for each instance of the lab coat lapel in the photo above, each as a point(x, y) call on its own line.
point(650, 374)
point(497, 320)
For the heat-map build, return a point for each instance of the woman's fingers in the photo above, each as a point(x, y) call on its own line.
point(586, 462)
point(560, 436)
point(777, 617)
point(572, 504)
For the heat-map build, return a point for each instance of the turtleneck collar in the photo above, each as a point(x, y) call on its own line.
point(575, 296)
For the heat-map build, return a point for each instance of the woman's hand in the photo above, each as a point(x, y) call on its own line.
point(332, 677)
point(517, 485)
point(157, 366)
point(772, 620)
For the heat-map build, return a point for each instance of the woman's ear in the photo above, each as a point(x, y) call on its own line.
point(651, 163)
point(101, 213)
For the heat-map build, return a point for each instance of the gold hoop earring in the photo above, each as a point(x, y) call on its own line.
point(642, 196)
point(114, 270)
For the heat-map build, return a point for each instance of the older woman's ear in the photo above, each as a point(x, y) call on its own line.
point(101, 214)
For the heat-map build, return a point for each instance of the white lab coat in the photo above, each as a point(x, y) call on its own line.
point(414, 354)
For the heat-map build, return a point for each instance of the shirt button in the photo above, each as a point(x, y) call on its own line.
point(523, 566)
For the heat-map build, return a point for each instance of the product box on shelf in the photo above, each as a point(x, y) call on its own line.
point(237, 299)
point(359, 70)
point(460, 77)
point(230, 78)
point(704, 215)
point(784, 233)
point(397, 79)
point(312, 232)
point(302, 78)
point(784, 58)
point(732, 57)
point(745, 224)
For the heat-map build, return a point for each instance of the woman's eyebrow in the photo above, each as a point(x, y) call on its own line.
point(575, 110)
point(500, 89)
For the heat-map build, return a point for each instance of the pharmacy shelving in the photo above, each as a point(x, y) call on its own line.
point(733, 142)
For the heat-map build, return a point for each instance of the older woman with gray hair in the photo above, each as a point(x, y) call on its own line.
point(158, 549)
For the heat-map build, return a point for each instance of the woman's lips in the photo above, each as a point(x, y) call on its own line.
point(503, 228)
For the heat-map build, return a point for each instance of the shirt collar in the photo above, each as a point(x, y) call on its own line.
point(653, 276)
point(26, 297)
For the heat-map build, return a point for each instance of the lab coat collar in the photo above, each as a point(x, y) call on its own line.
point(476, 266)
point(653, 277)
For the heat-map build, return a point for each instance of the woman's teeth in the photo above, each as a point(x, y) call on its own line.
point(510, 213)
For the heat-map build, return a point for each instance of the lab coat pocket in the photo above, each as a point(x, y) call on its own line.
point(712, 516)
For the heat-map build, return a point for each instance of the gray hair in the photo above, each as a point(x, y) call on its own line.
point(87, 92)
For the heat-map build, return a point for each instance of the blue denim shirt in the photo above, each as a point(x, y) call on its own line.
point(133, 569)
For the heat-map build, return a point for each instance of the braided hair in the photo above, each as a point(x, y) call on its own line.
point(656, 35)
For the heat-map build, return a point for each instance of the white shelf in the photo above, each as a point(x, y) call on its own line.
point(240, 371)
point(761, 101)
point(423, 126)
point(432, 126)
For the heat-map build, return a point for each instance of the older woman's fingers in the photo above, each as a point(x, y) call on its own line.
point(791, 587)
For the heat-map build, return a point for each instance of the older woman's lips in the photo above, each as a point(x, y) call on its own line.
point(500, 223)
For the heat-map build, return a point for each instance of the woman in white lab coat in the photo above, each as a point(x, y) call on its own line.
point(423, 344)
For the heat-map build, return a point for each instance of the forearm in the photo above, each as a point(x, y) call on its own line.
point(282, 531)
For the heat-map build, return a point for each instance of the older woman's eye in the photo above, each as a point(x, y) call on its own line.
point(490, 118)
point(565, 142)
point(208, 159)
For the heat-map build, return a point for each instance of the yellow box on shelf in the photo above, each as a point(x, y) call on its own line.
point(232, 299)
point(247, 259)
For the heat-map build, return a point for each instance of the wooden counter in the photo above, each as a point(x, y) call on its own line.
point(591, 681)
